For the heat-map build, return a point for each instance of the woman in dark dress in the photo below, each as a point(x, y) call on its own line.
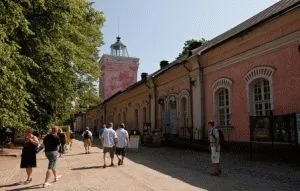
point(28, 157)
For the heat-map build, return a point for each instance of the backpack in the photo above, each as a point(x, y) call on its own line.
point(86, 135)
point(221, 136)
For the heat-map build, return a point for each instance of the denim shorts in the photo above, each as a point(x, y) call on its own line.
point(51, 156)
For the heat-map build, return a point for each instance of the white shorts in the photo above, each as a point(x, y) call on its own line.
point(215, 156)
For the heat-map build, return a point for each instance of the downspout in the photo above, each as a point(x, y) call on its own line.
point(202, 104)
point(191, 101)
point(149, 102)
point(153, 96)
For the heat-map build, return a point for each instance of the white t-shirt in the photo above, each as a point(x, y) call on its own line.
point(109, 136)
point(122, 135)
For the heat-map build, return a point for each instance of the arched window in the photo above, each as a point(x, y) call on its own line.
point(184, 111)
point(261, 97)
point(144, 114)
point(222, 101)
point(119, 118)
point(136, 115)
point(222, 107)
point(124, 116)
point(259, 90)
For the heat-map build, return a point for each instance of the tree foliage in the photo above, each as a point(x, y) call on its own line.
point(190, 45)
point(47, 48)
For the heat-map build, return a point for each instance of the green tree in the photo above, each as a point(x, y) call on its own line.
point(60, 39)
point(190, 45)
point(13, 67)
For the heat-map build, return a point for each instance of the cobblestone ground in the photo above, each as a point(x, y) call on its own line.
point(152, 169)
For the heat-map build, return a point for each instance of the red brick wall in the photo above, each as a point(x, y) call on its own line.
point(286, 77)
point(118, 76)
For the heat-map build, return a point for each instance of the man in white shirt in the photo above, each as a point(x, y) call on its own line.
point(109, 137)
point(122, 142)
point(215, 148)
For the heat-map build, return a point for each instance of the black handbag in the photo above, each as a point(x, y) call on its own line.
point(39, 148)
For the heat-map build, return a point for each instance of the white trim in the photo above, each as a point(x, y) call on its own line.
point(185, 94)
point(265, 72)
point(168, 100)
point(223, 82)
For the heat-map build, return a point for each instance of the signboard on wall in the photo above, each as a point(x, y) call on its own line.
point(298, 126)
point(134, 142)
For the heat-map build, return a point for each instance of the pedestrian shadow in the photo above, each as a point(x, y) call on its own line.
point(32, 187)
point(10, 185)
point(80, 154)
point(86, 167)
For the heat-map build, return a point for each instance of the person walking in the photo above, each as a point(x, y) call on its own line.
point(109, 137)
point(51, 142)
point(87, 139)
point(215, 149)
point(122, 143)
point(63, 141)
point(28, 157)
point(72, 136)
point(101, 130)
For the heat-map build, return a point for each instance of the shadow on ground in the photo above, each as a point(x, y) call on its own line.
point(31, 187)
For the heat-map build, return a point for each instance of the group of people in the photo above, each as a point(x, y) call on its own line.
point(113, 142)
point(54, 144)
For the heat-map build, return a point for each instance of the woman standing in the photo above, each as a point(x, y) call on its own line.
point(28, 157)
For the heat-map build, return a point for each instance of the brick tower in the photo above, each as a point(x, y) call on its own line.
point(118, 70)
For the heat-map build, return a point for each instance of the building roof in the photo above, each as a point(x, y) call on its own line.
point(267, 14)
point(272, 11)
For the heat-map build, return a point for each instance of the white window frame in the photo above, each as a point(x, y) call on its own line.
point(218, 85)
point(260, 72)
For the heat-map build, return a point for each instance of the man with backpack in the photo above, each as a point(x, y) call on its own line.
point(87, 139)
point(214, 139)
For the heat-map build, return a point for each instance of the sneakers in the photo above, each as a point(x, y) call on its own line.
point(57, 178)
point(46, 184)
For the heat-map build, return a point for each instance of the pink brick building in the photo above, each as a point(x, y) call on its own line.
point(118, 70)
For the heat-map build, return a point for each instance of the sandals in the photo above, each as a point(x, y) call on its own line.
point(27, 181)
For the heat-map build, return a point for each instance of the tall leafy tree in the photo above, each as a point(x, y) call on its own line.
point(60, 38)
point(13, 67)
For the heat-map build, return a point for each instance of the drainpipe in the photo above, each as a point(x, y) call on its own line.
point(153, 96)
point(202, 109)
point(191, 101)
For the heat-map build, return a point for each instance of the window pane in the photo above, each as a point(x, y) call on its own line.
point(223, 106)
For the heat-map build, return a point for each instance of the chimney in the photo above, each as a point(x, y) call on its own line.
point(144, 76)
point(163, 64)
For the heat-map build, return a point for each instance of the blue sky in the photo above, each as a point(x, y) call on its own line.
point(155, 30)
